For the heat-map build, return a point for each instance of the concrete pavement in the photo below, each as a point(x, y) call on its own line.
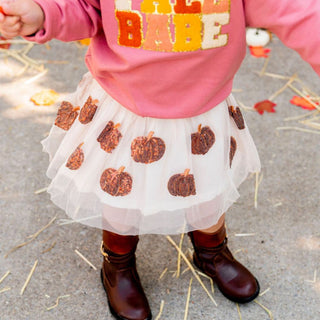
point(282, 248)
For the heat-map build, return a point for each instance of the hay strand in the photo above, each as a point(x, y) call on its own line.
point(314, 277)
point(273, 75)
point(160, 311)
point(245, 234)
point(207, 277)
point(4, 276)
point(265, 309)
point(163, 273)
point(264, 68)
point(5, 289)
point(238, 308)
point(28, 278)
point(311, 114)
point(185, 270)
point(31, 237)
point(298, 129)
point(35, 235)
point(50, 248)
point(257, 184)
point(179, 255)
point(188, 300)
point(41, 190)
point(293, 78)
point(192, 270)
point(57, 302)
point(85, 259)
point(264, 292)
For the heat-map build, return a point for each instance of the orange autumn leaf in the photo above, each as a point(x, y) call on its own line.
point(85, 42)
point(303, 103)
point(265, 105)
point(259, 52)
point(45, 97)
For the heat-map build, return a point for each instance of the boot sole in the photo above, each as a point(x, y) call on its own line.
point(117, 316)
point(234, 299)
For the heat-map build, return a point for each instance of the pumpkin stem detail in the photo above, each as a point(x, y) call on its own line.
point(151, 133)
point(199, 127)
point(117, 172)
point(186, 172)
point(121, 169)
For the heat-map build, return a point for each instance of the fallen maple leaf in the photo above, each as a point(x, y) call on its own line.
point(265, 105)
point(303, 103)
point(45, 97)
point(259, 52)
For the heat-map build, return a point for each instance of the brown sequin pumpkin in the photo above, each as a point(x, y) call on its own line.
point(233, 148)
point(88, 110)
point(66, 116)
point(182, 184)
point(203, 140)
point(237, 117)
point(147, 149)
point(116, 182)
point(76, 159)
point(109, 137)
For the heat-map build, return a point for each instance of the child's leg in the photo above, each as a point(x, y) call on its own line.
point(213, 257)
point(215, 227)
point(120, 279)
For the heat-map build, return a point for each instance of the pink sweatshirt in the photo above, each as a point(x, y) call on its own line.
point(176, 58)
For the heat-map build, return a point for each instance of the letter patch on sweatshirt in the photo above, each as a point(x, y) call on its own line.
point(172, 25)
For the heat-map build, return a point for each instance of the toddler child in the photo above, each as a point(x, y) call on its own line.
point(152, 141)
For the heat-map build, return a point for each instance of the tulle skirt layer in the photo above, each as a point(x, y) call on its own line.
point(118, 171)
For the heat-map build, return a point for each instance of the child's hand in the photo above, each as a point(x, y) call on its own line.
point(20, 18)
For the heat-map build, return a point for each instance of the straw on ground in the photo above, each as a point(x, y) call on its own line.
point(188, 300)
point(160, 311)
point(57, 302)
point(192, 270)
point(85, 259)
point(31, 237)
point(28, 278)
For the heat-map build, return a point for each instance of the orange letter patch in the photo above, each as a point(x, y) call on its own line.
point(130, 29)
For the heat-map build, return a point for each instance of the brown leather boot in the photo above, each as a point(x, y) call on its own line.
point(212, 256)
point(126, 298)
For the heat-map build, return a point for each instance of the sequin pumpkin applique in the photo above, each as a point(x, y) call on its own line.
point(116, 182)
point(66, 116)
point(109, 137)
point(147, 149)
point(233, 149)
point(88, 111)
point(236, 114)
point(202, 141)
point(182, 184)
point(76, 158)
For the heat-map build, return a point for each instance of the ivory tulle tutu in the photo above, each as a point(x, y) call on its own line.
point(115, 170)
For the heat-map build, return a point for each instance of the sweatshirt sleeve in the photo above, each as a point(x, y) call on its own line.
point(295, 22)
point(68, 20)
